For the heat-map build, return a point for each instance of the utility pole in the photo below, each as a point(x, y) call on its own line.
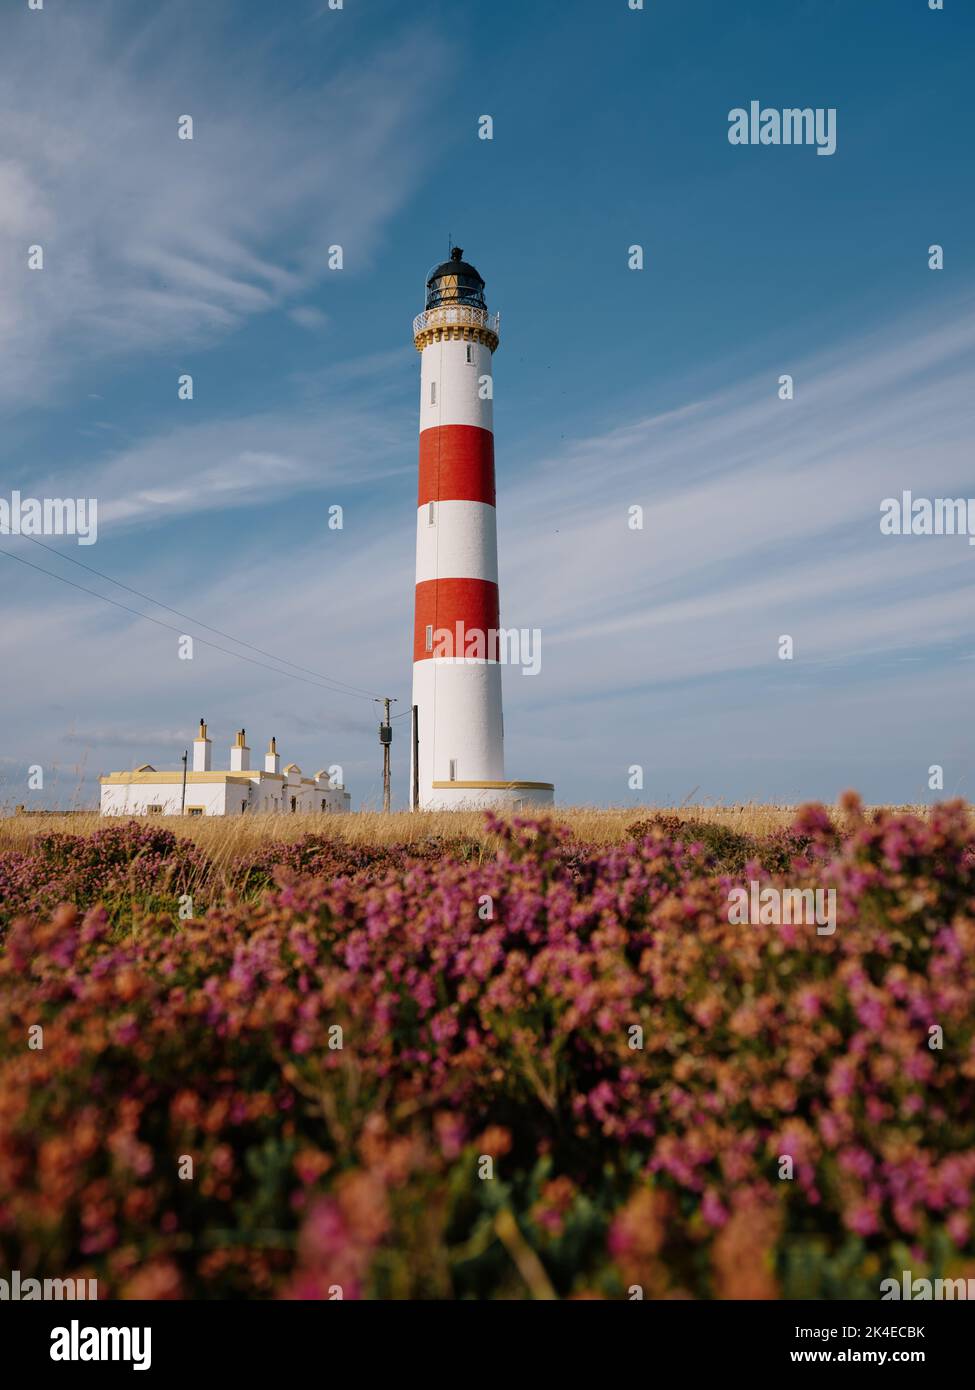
point(415, 797)
point(182, 804)
point(386, 738)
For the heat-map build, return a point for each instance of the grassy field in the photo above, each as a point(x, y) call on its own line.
point(231, 835)
point(229, 841)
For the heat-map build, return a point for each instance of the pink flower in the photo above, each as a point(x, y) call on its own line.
point(862, 1219)
point(712, 1209)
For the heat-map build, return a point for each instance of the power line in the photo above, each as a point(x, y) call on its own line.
point(170, 628)
point(355, 689)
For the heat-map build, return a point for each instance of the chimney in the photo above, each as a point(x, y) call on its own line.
point(201, 750)
point(272, 762)
point(240, 754)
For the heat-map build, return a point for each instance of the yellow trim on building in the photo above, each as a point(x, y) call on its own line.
point(437, 334)
point(508, 786)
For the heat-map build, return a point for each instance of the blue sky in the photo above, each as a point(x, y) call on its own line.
point(613, 387)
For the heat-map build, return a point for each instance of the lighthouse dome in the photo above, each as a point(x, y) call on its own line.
point(456, 281)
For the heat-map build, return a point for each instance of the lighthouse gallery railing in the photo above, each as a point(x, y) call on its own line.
point(463, 315)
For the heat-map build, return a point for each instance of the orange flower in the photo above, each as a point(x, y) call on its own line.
point(496, 1141)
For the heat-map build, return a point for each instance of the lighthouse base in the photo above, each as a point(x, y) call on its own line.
point(471, 796)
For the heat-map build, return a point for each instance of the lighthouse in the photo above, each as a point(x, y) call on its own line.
point(458, 644)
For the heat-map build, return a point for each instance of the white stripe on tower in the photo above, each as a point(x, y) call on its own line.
point(458, 696)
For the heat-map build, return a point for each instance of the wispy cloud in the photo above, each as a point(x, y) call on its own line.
point(139, 737)
point(238, 462)
point(761, 517)
point(150, 240)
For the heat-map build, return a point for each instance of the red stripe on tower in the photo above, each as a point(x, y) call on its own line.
point(456, 464)
point(442, 604)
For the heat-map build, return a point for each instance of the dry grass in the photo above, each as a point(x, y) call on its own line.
point(224, 838)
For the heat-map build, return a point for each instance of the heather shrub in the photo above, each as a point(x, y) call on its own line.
point(728, 850)
point(136, 867)
point(320, 857)
point(631, 1066)
point(124, 864)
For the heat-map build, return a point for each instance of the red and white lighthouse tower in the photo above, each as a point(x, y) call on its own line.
point(459, 758)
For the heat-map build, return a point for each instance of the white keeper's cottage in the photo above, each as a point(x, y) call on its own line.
point(209, 792)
